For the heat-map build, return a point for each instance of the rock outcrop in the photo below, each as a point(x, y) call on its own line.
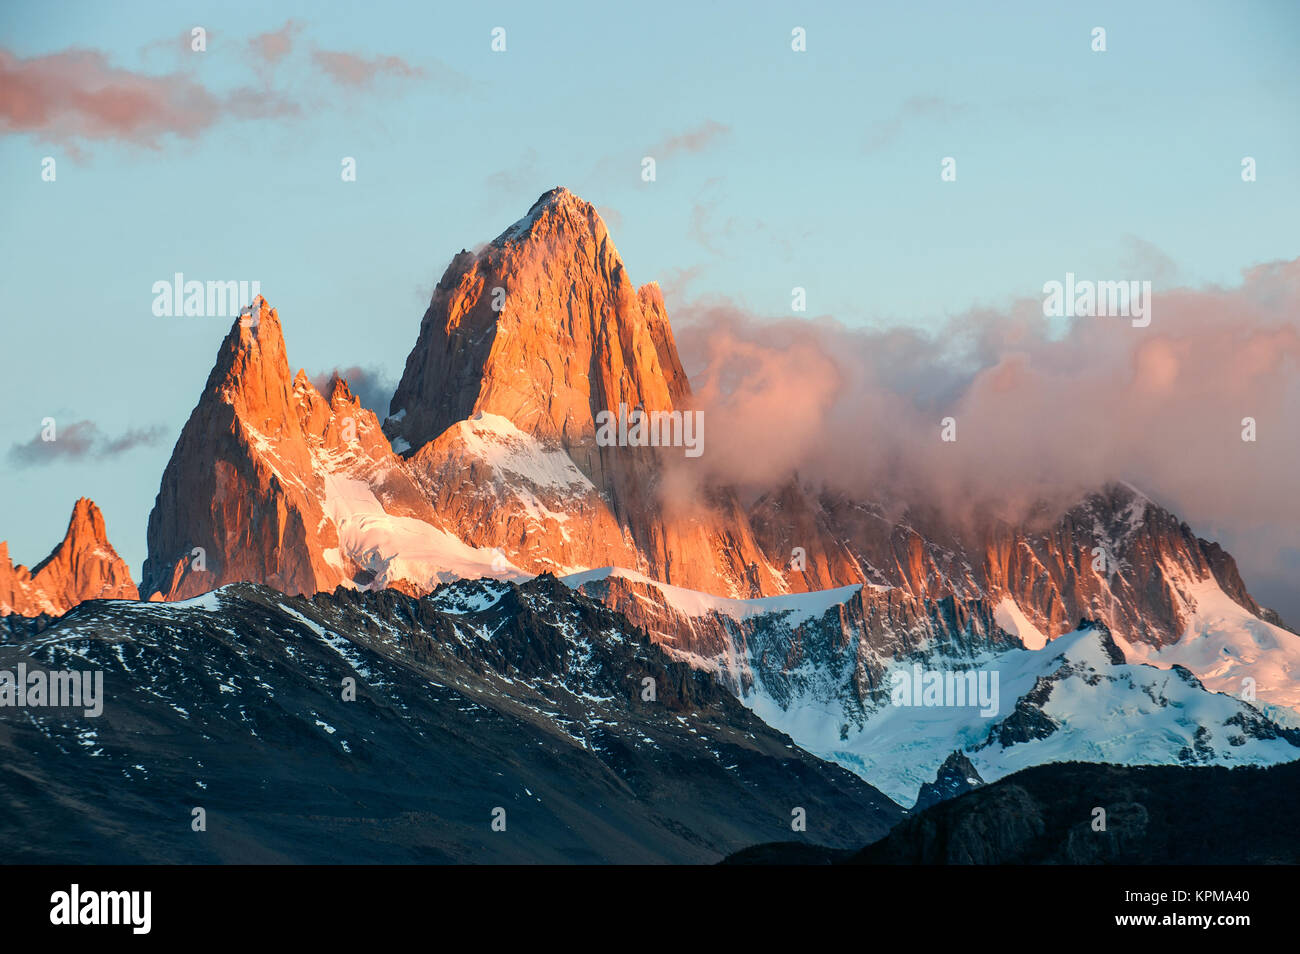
point(273, 482)
point(239, 498)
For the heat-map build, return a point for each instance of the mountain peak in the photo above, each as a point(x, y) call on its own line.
point(85, 531)
point(557, 197)
point(542, 327)
point(84, 566)
point(957, 775)
point(258, 324)
point(552, 212)
point(240, 488)
point(87, 522)
point(251, 372)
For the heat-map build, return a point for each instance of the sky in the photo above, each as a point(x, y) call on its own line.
point(775, 169)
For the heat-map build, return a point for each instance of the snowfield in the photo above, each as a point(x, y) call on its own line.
point(1224, 644)
point(1128, 714)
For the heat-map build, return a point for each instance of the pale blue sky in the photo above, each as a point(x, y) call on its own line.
point(826, 176)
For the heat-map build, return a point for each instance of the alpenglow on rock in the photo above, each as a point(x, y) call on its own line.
point(84, 566)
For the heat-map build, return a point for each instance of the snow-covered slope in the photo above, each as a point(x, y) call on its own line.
point(1075, 699)
point(498, 487)
point(1013, 619)
point(1224, 645)
point(399, 549)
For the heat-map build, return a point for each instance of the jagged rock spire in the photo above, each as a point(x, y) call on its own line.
point(84, 566)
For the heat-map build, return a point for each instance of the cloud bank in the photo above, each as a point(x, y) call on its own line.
point(1045, 409)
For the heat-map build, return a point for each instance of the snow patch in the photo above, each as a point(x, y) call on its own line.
point(403, 548)
point(512, 453)
point(1012, 619)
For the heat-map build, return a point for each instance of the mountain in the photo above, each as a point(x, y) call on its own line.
point(566, 336)
point(494, 469)
point(273, 482)
point(499, 470)
point(499, 573)
point(528, 697)
point(487, 465)
point(1048, 815)
point(84, 566)
point(1166, 595)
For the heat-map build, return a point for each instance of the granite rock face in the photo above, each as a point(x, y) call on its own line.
point(543, 327)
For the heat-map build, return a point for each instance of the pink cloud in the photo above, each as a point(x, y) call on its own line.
point(76, 95)
point(350, 69)
point(273, 46)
